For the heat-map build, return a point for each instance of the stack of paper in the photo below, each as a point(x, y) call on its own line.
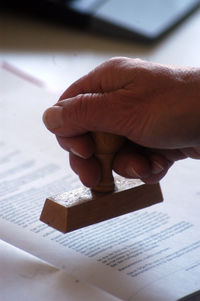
point(151, 254)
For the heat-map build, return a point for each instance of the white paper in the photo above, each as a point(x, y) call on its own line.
point(25, 277)
point(151, 254)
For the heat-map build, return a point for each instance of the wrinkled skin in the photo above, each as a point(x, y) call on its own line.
point(156, 107)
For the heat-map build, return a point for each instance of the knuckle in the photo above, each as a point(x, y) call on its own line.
point(117, 61)
point(82, 107)
point(86, 108)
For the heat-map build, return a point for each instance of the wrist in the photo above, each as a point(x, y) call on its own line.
point(189, 107)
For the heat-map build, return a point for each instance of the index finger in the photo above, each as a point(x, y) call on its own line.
point(100, 79)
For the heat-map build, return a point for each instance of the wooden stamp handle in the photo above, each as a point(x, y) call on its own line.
point(106, 147)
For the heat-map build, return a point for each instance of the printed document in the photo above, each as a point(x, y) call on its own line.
point(151, 254)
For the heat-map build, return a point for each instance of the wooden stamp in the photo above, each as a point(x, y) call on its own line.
point(83, 207)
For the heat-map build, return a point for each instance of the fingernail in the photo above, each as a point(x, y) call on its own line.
point(132, 173)
point(73, 151)
point(156, 168)
point(53, 117)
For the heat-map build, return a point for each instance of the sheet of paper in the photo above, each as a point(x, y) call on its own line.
point(25, 277)
point(151, 254)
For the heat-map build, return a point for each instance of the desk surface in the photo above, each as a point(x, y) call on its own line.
point(60, 55)
point(57, 56)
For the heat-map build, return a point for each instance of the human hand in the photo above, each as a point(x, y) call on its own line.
point(155, 107)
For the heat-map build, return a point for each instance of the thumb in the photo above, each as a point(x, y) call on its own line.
point(83, 113)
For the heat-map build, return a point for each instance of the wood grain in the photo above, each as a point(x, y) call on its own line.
point(82, 207)
point(107, 146)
